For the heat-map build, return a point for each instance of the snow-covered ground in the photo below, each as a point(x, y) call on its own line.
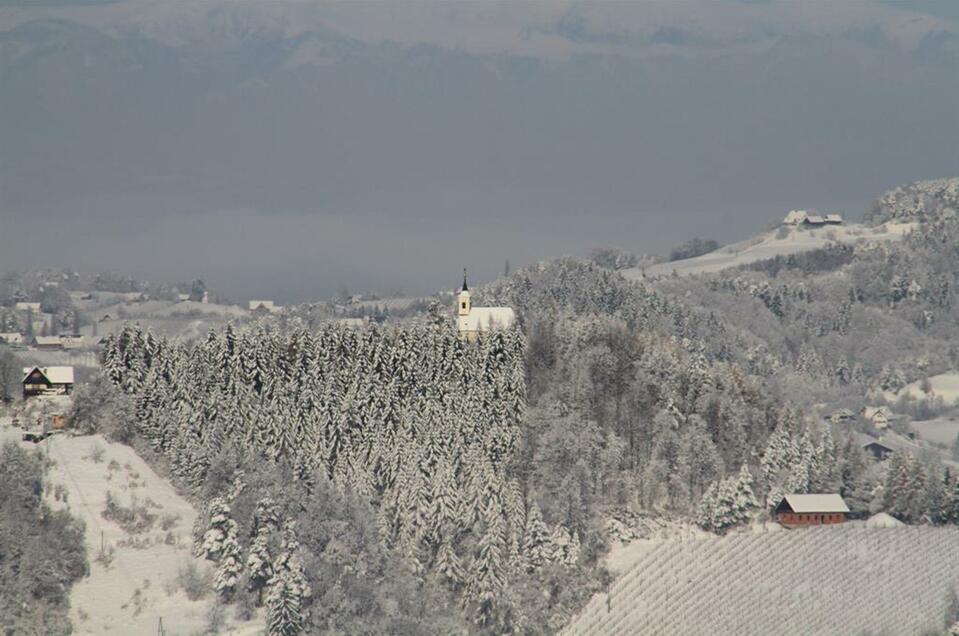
point(944, 385)
point(938, 431)
point(779, 242)
point(844, 579)
point(138, 587)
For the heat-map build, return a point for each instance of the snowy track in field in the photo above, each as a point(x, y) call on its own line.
point(138, 588)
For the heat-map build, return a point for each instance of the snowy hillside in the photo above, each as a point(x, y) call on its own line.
point(780, 242)
point(943, 385)
point(135, 585)
point(847, 579)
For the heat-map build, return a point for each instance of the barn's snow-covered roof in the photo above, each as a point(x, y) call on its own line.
point(56, 375)
point(816, 503)
point(483, 318)
point(47, 340)
point(796, 216)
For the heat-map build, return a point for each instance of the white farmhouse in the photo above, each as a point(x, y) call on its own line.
point(796, 217)
point(470, 320)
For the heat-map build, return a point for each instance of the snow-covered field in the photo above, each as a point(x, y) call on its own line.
point(137, 588)
point(780, 242)
point(944, 385)
point(938, 431)
point(34, 357)
point(845, 579)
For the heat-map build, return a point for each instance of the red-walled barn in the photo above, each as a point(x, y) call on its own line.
point(811, 510)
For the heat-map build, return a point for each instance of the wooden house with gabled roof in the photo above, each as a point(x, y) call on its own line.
point(47, 381)
point(796, 511)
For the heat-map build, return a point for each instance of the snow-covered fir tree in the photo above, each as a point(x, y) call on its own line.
point(288, 588)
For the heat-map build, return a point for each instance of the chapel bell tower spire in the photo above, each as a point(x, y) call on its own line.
point(464, 305)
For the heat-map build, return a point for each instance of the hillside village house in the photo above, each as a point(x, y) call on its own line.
point(71, 341)
point(11, 338)
point(34, 307)
point(878, 450)
point(471, 321)
point(882, 447)
point(795, 511)
point(261, 307)
point(880, 416)
point(48, 343)
point(841, 416)
point(47, 381)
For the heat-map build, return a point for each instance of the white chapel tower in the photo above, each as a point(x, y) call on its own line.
point(471, 320)
point(464, 298)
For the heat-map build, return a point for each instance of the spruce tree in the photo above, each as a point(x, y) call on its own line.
point(486, 577)
point(259, 565)
point(288, 588)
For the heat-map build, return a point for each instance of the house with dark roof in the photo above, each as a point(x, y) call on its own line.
point(878, 450)
point(841, 416)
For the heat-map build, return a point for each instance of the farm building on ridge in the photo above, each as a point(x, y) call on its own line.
point(803, 217)
point(811, 510)
point(47, 381)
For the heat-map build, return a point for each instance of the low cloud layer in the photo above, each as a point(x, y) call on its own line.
point(296, 149)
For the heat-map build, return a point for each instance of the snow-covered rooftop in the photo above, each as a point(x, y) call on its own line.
point(56, 375)
point(816, 503)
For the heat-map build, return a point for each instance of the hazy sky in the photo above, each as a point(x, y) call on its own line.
point(286, 149)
